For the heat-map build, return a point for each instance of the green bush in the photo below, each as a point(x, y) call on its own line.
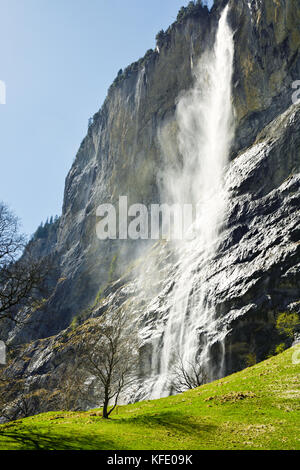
point(74, 323)
point(287, 324)
point(98, 297)
point(280, 348)
point(112, 268)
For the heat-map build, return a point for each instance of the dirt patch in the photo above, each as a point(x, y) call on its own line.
point(231, 397)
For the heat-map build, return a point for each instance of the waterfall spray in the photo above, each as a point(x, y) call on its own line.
point(205, 124)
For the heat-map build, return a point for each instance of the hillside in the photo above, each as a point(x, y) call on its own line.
point(257, 408)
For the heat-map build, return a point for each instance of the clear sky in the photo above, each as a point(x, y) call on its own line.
point(57, 59)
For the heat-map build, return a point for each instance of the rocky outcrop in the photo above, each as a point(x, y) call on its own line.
point(267, 62)
point(256, 270)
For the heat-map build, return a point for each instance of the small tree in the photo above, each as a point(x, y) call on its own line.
point(187, 375)
point(109, 353)
point(191, 7)
point(181, 14)
point(160, 37)
point(70, 391)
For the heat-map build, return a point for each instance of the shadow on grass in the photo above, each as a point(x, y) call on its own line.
point(171, 421)
point(176, 423)
point(30, 440)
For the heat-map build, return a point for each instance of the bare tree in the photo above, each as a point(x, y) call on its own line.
point(109, 354)
point(11, 242)
point(22, 404)
point(22, 277)
point(14, 402)
point(187, 375)
point(17, 400)
point(72, 394)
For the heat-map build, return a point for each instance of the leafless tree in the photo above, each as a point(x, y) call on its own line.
point(23, 404)
point(16, 400)
point(22, 276)
point(71, 392)
point(14, 403)
point(109, 354)
point(187, 375)
point(11, 242)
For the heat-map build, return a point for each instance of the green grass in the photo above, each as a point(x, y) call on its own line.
point(258, 408)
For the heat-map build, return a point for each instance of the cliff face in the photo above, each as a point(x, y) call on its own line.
point(121, 155)
point(267, 62)
point(259, 250)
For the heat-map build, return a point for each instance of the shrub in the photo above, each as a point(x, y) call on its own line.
point(160, 37)
point(250, 359)
point(74, 323)
point(45, 230)
point(194, 8)
point(181, 14)
point(287, 324)
point(280, 348)
point(98, 297)
point(112, 268)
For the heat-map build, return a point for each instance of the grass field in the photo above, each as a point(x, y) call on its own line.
point(258, 408)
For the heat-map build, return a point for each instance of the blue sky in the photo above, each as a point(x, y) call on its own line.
point(58, 58)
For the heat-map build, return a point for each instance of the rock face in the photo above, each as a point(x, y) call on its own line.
point(255, 273)
point(267, 62)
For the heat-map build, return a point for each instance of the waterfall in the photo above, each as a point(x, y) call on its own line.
point(205, 132)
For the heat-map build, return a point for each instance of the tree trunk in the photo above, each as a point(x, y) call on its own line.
point(105, 409)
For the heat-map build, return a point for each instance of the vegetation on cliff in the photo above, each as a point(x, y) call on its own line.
point(45, 230)
point(195, 8)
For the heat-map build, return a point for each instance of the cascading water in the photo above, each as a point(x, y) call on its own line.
point(205, 123)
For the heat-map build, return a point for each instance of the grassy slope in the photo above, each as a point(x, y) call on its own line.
point(258, 408)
